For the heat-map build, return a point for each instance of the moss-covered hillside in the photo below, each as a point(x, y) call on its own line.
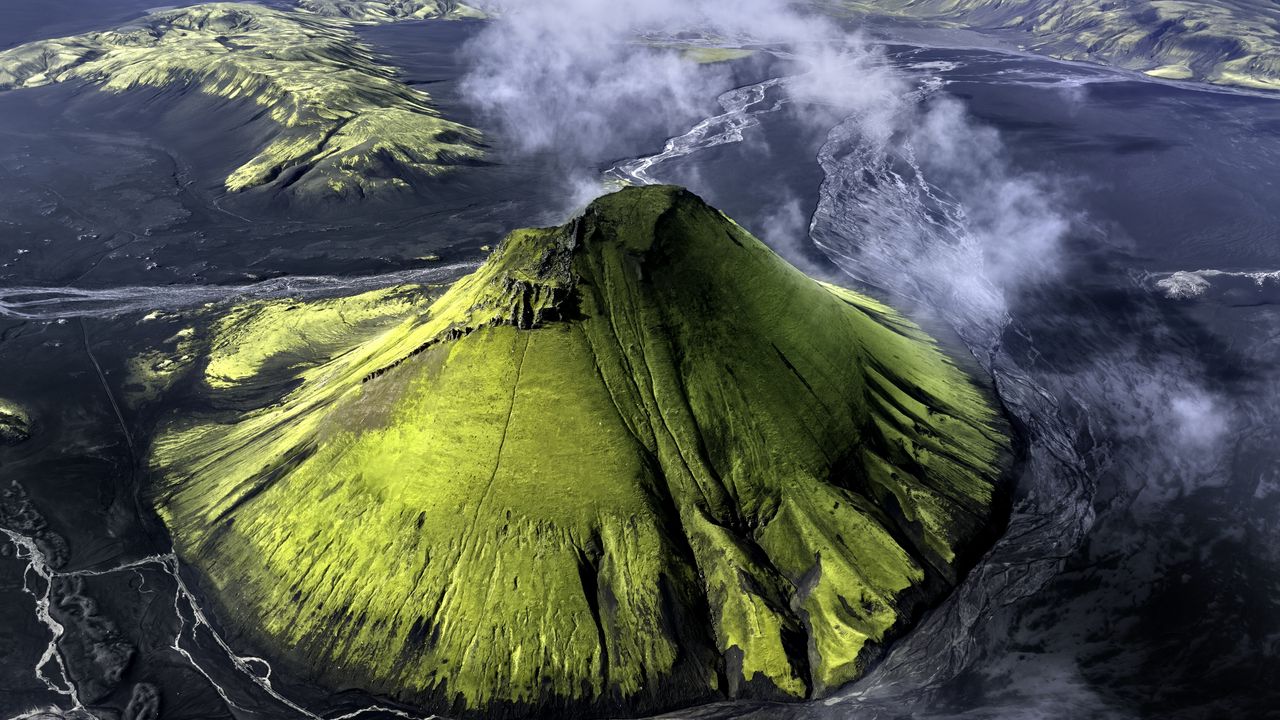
point(632, 462)
point(348, 126)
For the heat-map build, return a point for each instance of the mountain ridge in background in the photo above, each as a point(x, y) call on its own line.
point(1234, 43)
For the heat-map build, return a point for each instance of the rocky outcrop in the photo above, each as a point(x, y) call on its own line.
point(20, 515)
point(96, 653)
point(144, 703)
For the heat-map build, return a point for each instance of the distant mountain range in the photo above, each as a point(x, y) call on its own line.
point(382, 11)
point(1226, 42)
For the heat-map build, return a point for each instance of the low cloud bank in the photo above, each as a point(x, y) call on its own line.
point(582, 77)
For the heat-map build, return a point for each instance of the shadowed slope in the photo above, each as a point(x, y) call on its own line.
point(631, 462)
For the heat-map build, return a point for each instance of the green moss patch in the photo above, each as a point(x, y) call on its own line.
point(15, 423)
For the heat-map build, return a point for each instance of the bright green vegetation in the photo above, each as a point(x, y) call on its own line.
point(347, 125)
point(261, 339)
point(707, 55)
point(252, 345)
point(1229, 42)
point(705, 49)
point(385, 11)
point(15, 424)
point(631, 462)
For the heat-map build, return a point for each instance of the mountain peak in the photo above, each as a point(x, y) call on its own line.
point(631, 462)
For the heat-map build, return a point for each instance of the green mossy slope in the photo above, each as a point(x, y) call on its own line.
point(631, 462)
point(347, 125)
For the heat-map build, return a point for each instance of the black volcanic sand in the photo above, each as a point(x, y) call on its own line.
point(145, 205)
point(1168, 609)
point(22, 22)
